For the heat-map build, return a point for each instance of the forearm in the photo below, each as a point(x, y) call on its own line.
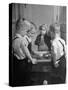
point(32, 51)
point(35, 52)
point(55, 63)
point(27, 53)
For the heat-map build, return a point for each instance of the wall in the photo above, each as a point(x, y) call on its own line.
point(62, 21)
point(39, 14)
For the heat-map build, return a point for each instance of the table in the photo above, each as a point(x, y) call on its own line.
point(43, 64)
point(41, 70)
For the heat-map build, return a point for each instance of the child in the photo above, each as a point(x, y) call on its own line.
point(58, 52)
point(21, 53)
point(44, 45)
point(43, 40)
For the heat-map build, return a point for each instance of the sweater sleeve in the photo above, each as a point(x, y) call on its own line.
point(37, 41)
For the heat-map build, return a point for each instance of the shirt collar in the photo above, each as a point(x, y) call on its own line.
point(18, 35)
point(29, 39)
point(25, 36)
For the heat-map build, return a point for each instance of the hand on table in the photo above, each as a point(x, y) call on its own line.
point(57, 64)
point(41, 54)
point(34, 61)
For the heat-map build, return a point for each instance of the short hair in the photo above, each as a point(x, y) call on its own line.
point(18, 23)
point(30, 25)
point(27, 25)
point(55, 28)
point(52, 29)
point(33, 24)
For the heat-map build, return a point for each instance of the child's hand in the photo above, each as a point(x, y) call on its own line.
point(56, 64)
point(34, 61)
point(41, 54)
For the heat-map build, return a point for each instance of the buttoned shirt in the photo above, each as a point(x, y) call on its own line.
point(17, 44)
point(59, 47)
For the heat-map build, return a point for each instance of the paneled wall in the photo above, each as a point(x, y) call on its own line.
point(62, 20)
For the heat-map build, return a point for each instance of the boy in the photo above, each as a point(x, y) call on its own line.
point(22, 59)
point(58, 52)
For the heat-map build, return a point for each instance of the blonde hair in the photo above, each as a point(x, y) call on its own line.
point(24, 26)
point(55, 28)
point(18, 23)
point(32, 27)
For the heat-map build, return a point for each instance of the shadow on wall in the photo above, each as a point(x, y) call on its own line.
point(63, 31)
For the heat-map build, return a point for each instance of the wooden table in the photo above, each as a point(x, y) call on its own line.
point(41, 70)
point(43, 64)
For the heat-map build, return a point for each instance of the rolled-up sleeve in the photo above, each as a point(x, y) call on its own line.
point(54, 49)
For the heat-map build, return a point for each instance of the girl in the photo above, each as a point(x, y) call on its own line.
point(43, 40)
